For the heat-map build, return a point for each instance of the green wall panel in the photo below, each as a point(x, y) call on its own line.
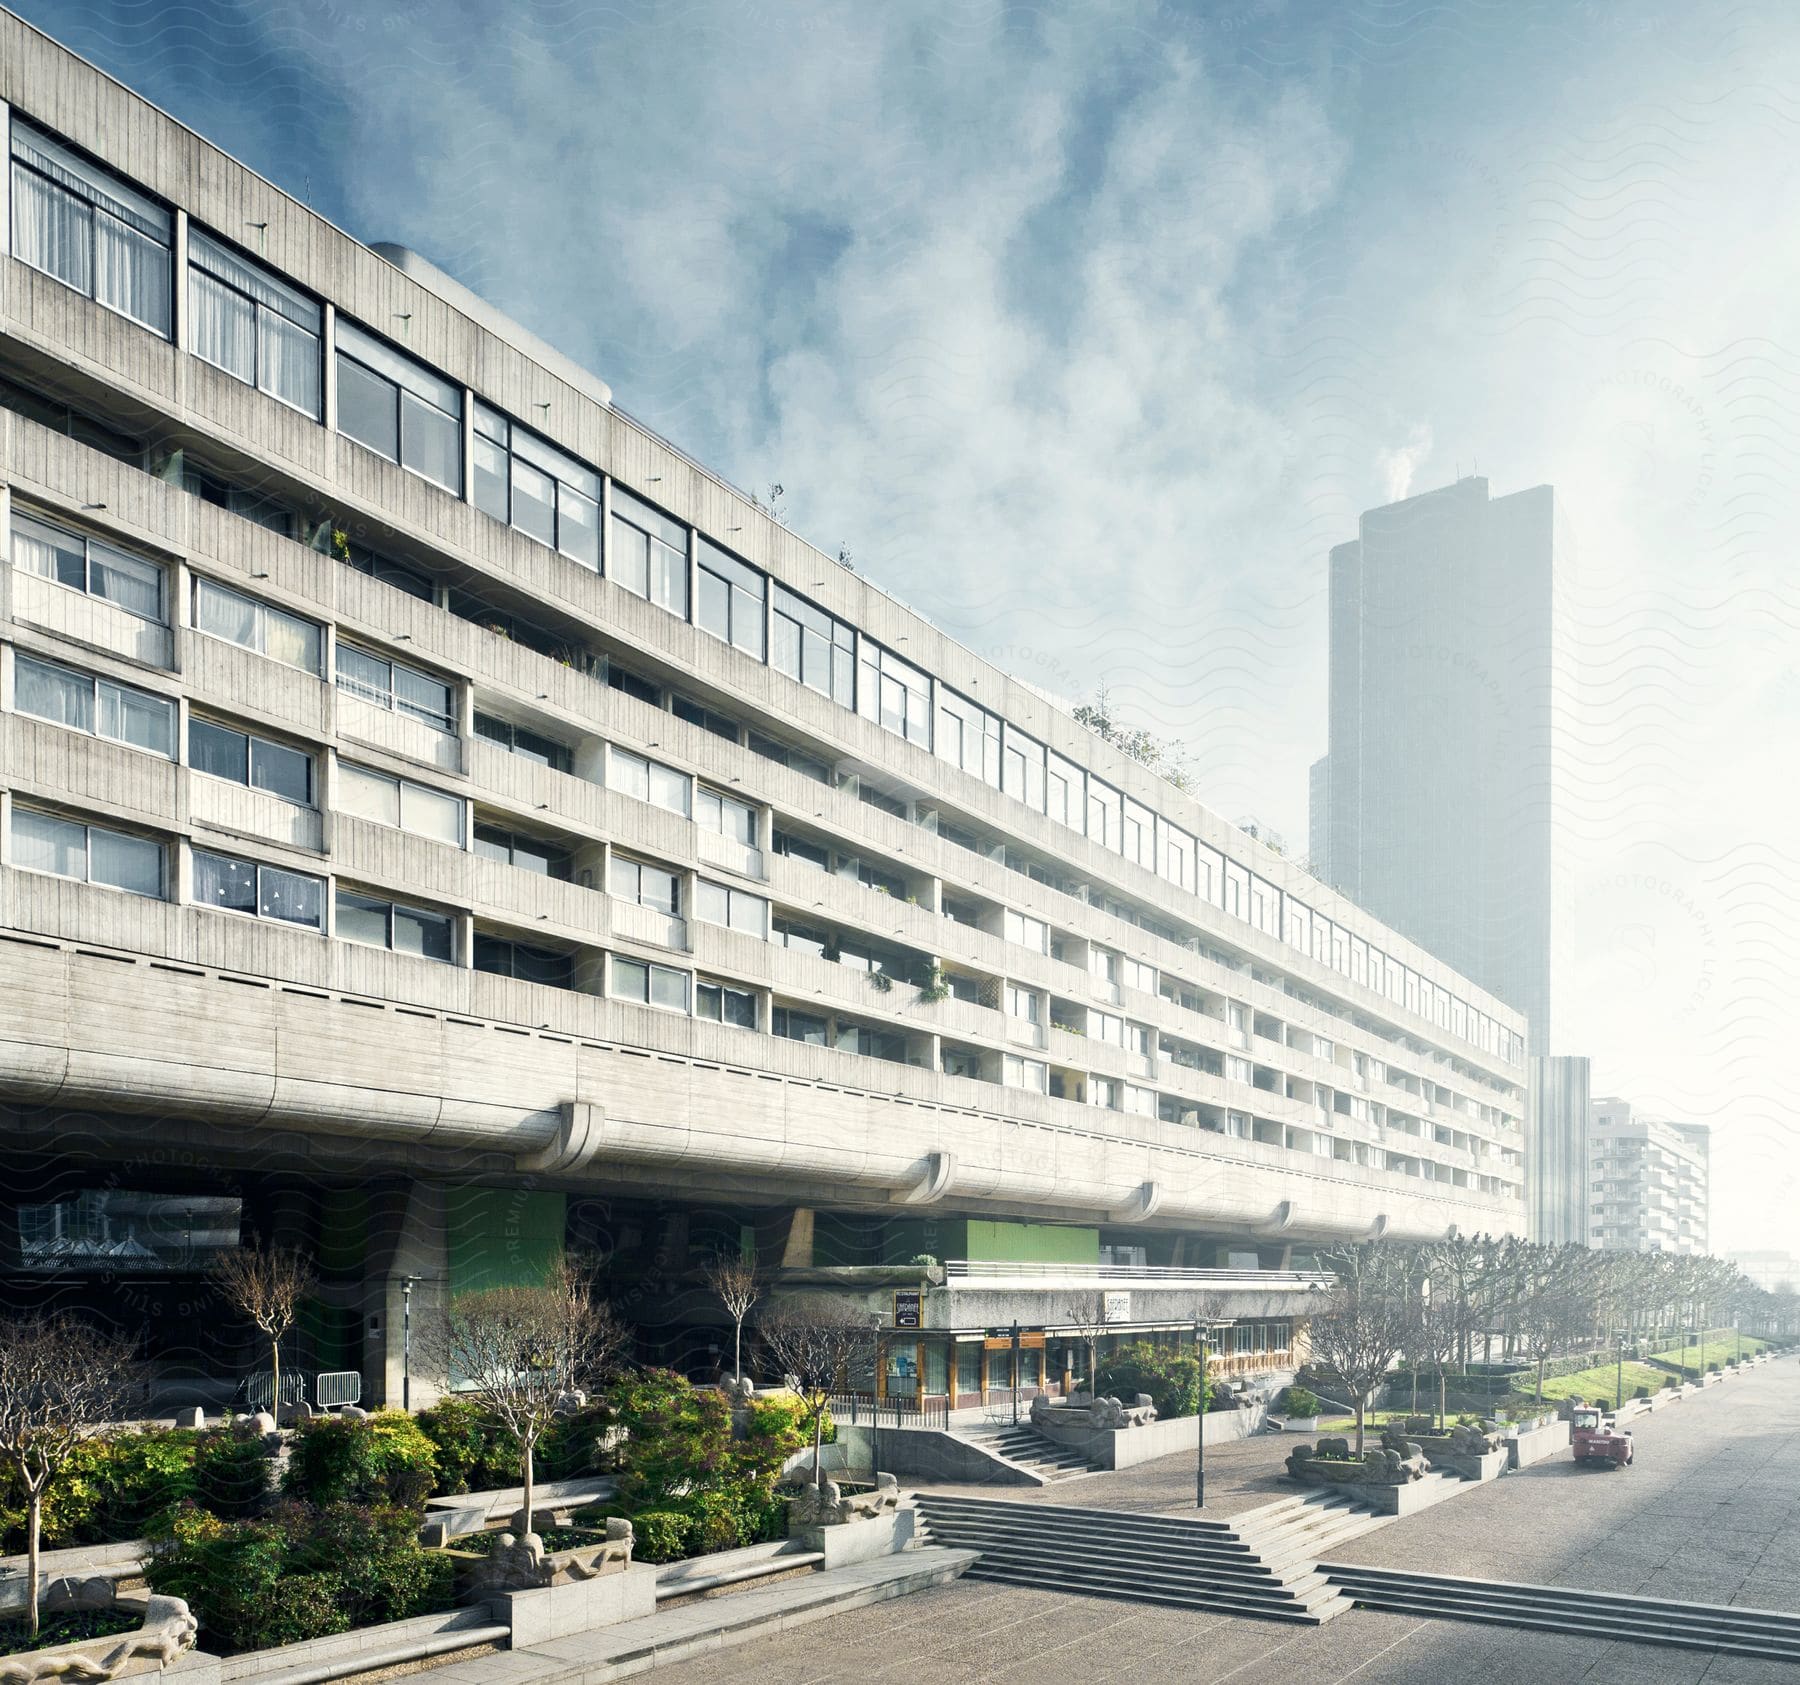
point(501, 1237)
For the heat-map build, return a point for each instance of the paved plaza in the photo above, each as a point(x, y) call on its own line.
point(1710, 1512)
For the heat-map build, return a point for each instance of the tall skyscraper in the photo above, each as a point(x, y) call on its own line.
point(1436, 793)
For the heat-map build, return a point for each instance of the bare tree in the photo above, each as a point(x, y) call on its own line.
point(737, 1284)
point(521, 1350)
point(1362, 1325)
point(60, 1380)
point(1087, 1322)
point(814, 1341)
point(597, 1338)
point(266, 1284)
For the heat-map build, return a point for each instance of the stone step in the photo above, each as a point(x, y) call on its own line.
point(1768, 1633)
point(1141, 1521)
point(1201, 1597)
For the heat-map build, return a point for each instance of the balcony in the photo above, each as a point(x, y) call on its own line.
point(88, 620)
point(648, 924)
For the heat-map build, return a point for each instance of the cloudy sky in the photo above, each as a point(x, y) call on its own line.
point(1088, 330)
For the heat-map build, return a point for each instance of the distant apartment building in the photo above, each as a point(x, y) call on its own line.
point(443, 822)
point(1556, 1168)
point(1648, 1182)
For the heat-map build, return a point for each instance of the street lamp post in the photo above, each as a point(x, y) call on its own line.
point(1201, 1329)
point(1015, 1371)
point(406, 1287)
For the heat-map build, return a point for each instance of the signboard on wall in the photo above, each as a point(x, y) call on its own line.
point(1118, 1307)
point(909, 1308)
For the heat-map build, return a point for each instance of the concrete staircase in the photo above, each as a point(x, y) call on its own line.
point(1769, 1634)
point(1144, 1558)
point(1026, 1448)
point(1294, 1532)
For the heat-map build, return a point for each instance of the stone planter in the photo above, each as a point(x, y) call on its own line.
point(166, 1635)
point(521, 1563)
point(1301, 1424)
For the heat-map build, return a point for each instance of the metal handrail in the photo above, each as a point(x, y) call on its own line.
point(981, 1269)
point(861, 1409)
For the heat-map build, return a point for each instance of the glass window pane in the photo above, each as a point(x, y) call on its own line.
point(490, 478)
point(53, 693)
point(431, 813)
point(712, 609)
point(669, 578)
point(131, 272)
point(288, 358)
point(533, 502)
point(422, 933)
point(629, 774)
point(133, 863)
point(220, 881)
point(712, 902)
point(130, 581)
point(224, 613)
point(431, 442)
point(286, 637)
point(368, 795)
point(281, 771)
point(360, 918)
point(367, 409)
point(668, 988)
point(48, 551)
point(43, 843)
point(132, 716)
point(578, 526)
point(750, 914)
point(218, 751)
point(747, 630)
point(422, 696)
point(668, 788)
point(629, 563)
point(364, 675)
point(52, 230)
point(785, 656)
point(222, 326)
point(291, 897)
point(630, 979)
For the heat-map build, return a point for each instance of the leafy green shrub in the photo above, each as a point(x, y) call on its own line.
point(661, 1536)
point(677, 1439)
point(232, 1477)
point(474, 1454)
point(573, 1445)
point(381, 1459)
point(1301, 1402)
point(116, 1486)
point(1171, 1378)
point(300, 1572)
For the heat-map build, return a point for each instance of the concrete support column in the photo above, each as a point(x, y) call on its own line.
point(673, 1249)
point(408, 1236)
point(797, 1247)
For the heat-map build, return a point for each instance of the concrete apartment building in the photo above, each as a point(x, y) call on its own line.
point(1770, 1268)
point(441, 822)
point(1648, 1182)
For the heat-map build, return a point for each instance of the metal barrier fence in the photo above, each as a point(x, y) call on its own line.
point(861, 1409)
point(338, 1386)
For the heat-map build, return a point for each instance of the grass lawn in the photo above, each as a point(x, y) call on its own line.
point(1597, 1384)
point(1719, 1345)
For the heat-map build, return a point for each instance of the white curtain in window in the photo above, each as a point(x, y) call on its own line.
point(41, 843)
point(53, 693)
point(131, 272)
point(134, 584)
point(290, 363)
point(133, 863)
point(224, 326)
point(51, 230)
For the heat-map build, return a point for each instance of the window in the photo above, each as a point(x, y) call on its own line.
point(733, 819)
point(814, 647)
point(644, 885)
point(1033, 1074)
point(968, 736)
point(256, 762)
point(652, 985)
point(802, 938)
point(724, 1004)
point(1139, 1100)
point(529, 854)
point(41, 842)
point(269, 631)
point(387, 684)
point(793, 1025)
point(552, 967)
point(1134, 974)
point(89, 230)
point(649, 553)
point(1103, 1092)
point(1065, 792)
point(1022, 769)
point(1139, 834)
point(398, 408)
point(1106, 816)
point(519, 740)
point(630, 684)
point(521, 479)
point(731, 602)
point(737, 909)
point(1178, 857)
point(720, 725)
point(89, 565)
point(784, 754)
point(387, 924)
point(646, 780)
point(1022, 1004)
point(263, 892)
point(812, 854)
point(1027, 932)
point(365, 794)
point(871, 1042)
point(85, 702)
point(894, 694)
point(253, 326)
